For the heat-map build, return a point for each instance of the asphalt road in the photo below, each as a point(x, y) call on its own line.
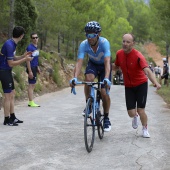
point(51, 137)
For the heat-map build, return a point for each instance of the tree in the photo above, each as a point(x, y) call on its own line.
point(11, 22)
point(161, 31)
point(25, 15)
point(139, 18)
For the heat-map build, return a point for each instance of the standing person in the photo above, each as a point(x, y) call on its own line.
point(98, 50)
point(135, 69)
point(165, 73)
point(7, 61)
point(32, 68)
point(159, 72)
point(156, 71)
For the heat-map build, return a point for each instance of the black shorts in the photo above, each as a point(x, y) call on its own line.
point(136, 95)
point(34, 79)
point(97, 70)
point(7, 81)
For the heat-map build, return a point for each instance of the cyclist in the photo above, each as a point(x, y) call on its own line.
point(98, 50)
point(135, 69)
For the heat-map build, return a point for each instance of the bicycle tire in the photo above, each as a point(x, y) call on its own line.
point(89, 127)
point(99, 117)
point(100, 124)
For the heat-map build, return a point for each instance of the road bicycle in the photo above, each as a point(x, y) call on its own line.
point(93, 116)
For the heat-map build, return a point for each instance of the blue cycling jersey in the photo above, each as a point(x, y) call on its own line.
point(35, 55)
point(103, 51)
point(8, 52)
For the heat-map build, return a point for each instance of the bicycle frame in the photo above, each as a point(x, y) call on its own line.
point(93, 116)
point(93, 95)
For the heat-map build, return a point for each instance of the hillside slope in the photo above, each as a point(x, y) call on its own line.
point(153, 52)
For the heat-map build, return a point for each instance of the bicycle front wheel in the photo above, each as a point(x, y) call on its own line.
point(89, 126)
point(100, 124)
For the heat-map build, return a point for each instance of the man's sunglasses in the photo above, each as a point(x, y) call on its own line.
point(91, 35)
point(34, 37)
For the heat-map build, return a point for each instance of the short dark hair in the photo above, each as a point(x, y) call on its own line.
point(18, 31)
point(33, 33)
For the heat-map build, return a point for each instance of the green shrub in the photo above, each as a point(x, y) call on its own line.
point(45, 55)
point(18, 70)
point(56, 76)
point(38, 87)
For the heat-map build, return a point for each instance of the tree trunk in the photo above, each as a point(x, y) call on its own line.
point(11, 22)
point(67, 48)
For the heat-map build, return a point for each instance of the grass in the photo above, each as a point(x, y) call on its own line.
point(164, 92)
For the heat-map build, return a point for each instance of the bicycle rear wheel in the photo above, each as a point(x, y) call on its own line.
point(89, 127)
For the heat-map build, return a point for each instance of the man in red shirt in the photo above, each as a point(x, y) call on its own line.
point(135, 73)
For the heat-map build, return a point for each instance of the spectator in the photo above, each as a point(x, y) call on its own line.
point(135, 68)
point(33, 68)
point(165, 73)
point(8, 59)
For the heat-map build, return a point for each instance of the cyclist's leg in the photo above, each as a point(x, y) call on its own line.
point(90, 74)
point(106, 100)
point(105, 97)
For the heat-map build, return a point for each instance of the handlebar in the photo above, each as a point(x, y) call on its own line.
point(89, 84)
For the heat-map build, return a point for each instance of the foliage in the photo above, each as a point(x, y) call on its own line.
point(139, 18)
point(56, 76)
point(25, 15)
point(45, 55)
point(4, 16)
point(164, 92)
point(160, 28)
point(38, 87)
point(18, 76)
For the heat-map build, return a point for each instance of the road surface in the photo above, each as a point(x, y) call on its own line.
point(51, 137)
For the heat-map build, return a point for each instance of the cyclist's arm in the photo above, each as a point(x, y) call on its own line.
point(107, 67)
point(78, 67)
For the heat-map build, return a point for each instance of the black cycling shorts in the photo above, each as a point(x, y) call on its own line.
point(34, 79)
point(7, 81)
point(136, 96)
point(97, 70)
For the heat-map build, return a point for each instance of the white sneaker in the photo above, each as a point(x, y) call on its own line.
point(83, 113)
point(135, 122)
point(145, 133)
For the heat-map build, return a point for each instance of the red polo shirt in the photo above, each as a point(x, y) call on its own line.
point(132, 65)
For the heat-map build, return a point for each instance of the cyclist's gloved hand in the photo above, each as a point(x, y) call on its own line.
point(107, 84)
point(106, 81)
point(73, 81)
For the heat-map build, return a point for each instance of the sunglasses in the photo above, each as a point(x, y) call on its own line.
point(34, 37)
point(91, 35)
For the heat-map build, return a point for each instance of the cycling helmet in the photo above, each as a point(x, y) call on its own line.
point(92, 26)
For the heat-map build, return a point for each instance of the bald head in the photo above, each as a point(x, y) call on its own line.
point(128, 42)
point(130, 36)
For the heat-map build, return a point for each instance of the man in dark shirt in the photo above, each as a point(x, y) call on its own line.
point(8, 59)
